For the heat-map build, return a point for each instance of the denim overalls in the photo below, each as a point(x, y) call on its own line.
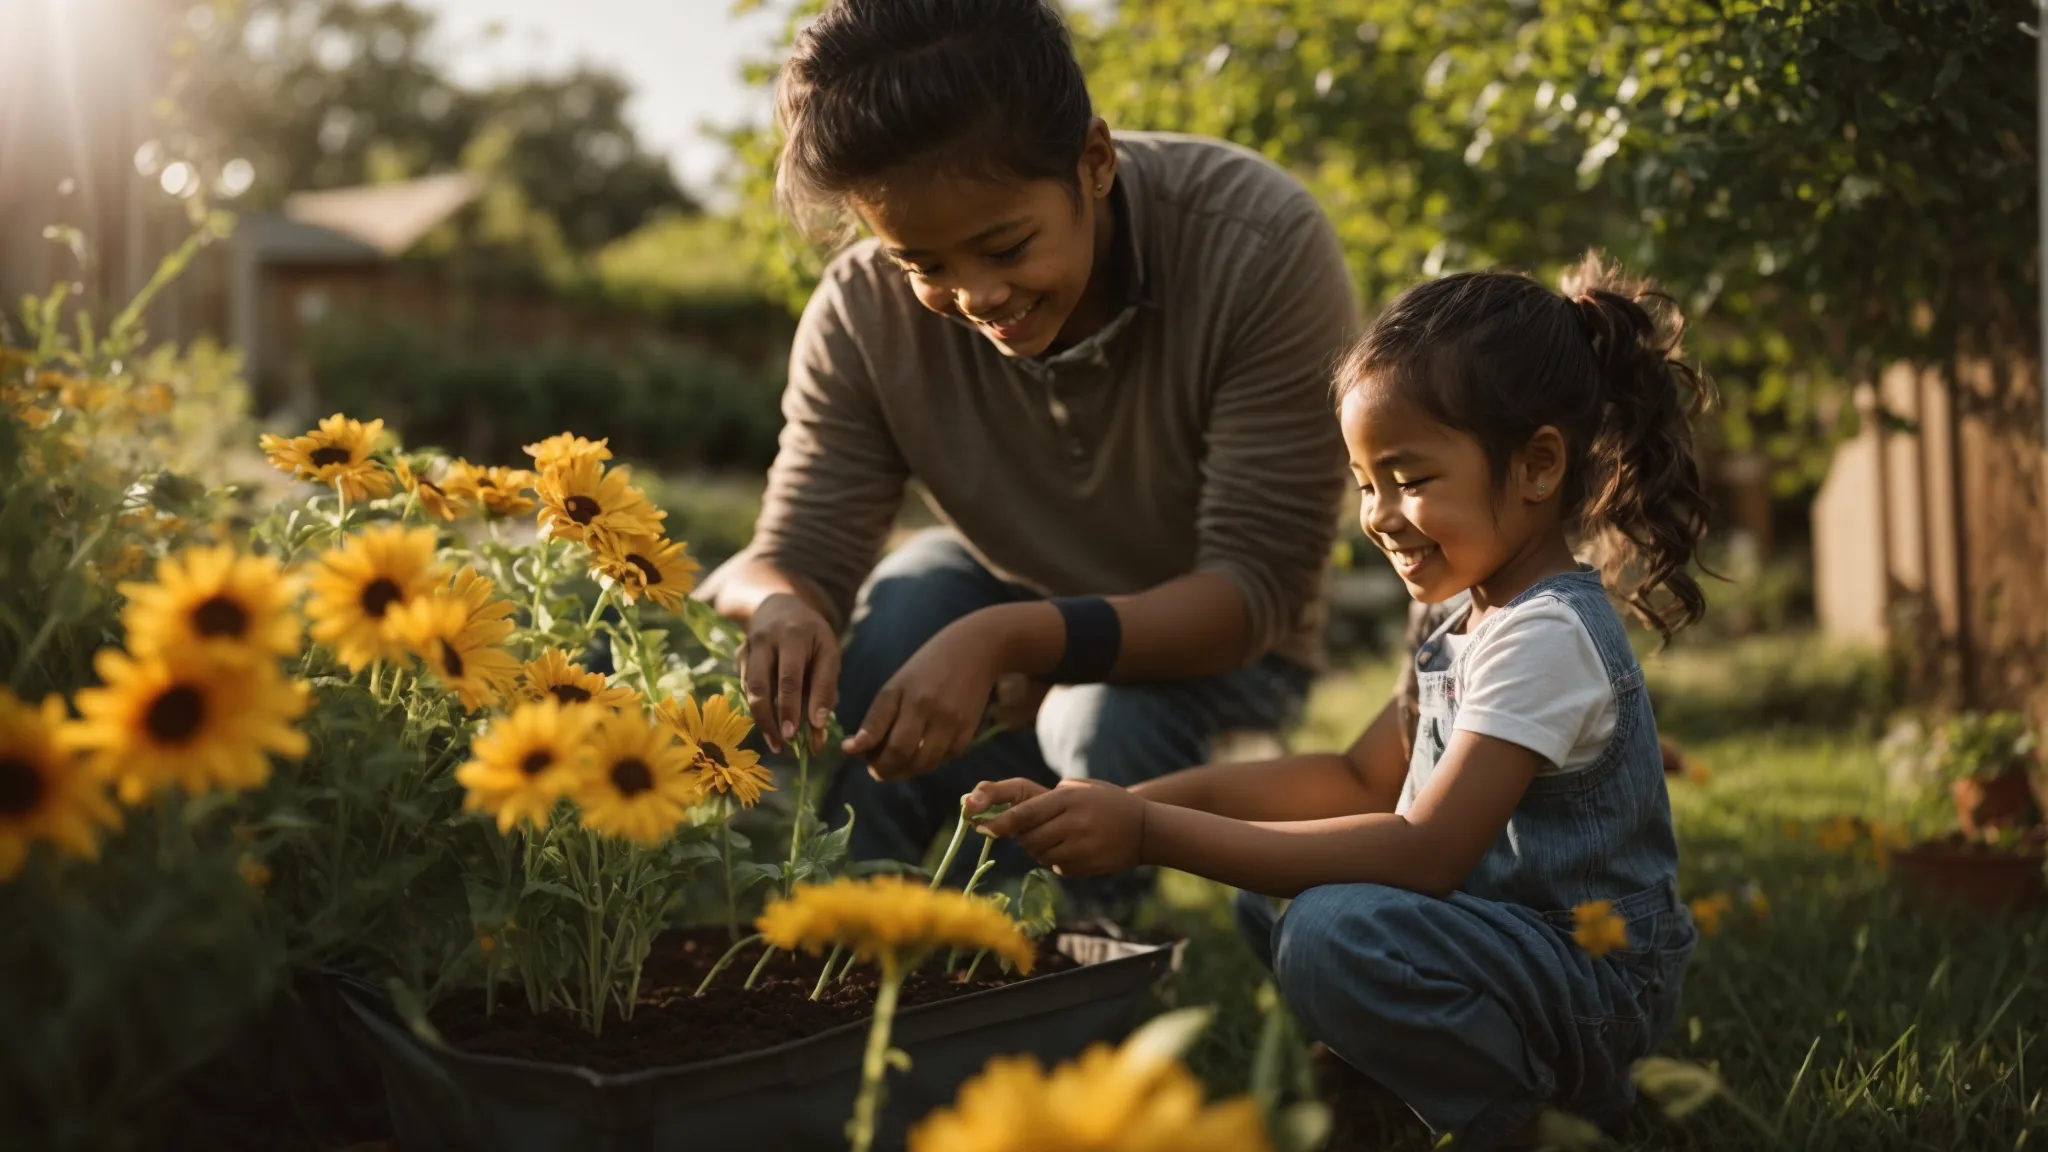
point(1479, 1009)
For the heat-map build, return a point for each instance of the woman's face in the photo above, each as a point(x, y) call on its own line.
point(1018, 261)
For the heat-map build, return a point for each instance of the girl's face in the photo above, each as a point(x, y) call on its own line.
point(1428, 498)
point(1018, 261)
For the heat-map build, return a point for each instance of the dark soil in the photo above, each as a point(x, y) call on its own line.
point(672, 1026)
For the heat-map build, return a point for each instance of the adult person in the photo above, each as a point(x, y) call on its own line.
point(1104, 356)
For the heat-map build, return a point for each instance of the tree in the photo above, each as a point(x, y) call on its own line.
point(1825, 185)
point(324, 93)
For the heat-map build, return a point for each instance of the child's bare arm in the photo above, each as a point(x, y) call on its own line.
point(1365, 778)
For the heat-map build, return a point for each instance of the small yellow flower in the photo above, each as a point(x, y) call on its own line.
point(713, 736)
point(1838, 834)
point(1696, 771)
point(1106, 1100)
point(637, 784)
point(892, 920)
point(1598, 930)
point(1708, 910)
point(567, 448)
point(187, 719)
point(212, 596)
point(436, 499)
point(553, 675)
point(642, 565)
point(356, 587)
point(581, 501)
point(336, 454)
point(501, 491)
point(1759, 904)
point(463, 655)
point(45, 793)
point(255, 873)
point(526, 762)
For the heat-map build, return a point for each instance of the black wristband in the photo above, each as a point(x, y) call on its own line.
point(1095, 635)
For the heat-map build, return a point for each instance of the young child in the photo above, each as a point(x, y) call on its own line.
point(1492, 425)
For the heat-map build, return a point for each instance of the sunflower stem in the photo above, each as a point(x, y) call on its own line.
point(952, 849)
point(819, 987)
point(981, 867)
point(340, 509)
point(647, 669)
point(604, 596)
point(732, 900)
point(802, 746)
point(766, 955)
point(969, 977)
point(725, 960)
point(874, 1062)
point(541, 572)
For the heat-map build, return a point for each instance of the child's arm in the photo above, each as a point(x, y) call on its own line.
point(1366, 777)
point(1084, 828)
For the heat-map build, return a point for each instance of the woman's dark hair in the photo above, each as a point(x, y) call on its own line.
point(1498, 355)
point(985, 88)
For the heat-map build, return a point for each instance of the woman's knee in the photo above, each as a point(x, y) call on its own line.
point(1121, 733)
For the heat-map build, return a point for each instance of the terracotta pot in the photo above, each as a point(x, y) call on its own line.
point(1999, 802)
point(1955, 871)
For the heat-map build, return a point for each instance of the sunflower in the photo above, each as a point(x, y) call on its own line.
point(554, 676)
point(1123, 1099)
point(525, 762)
point(567, 448)
point(45, 794)
point(336, 454)
point(188, 719)
point(637, 783)
point(714, 734)
point(356, 587)
point(885, 917)
point(476, 592)
point(501, 491)
point(436, 499)
point(461, 650)
point(581, 501)
point(643, 565)
point(213, 596)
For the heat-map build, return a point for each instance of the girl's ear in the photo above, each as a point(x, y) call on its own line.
point(1098, 161)
point(1540, 466)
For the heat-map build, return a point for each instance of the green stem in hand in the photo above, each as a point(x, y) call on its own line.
point(952, 849)
point(860, 1130)
point(725, 960)
point(802, 746)
point(981, 867)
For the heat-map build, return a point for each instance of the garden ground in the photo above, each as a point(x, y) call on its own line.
point(1846, 1014)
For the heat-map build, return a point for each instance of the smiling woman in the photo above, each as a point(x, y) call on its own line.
point(1104, 356)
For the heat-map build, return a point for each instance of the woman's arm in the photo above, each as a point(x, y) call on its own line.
point(1367, 777)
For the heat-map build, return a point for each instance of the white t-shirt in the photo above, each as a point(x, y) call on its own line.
point(1533, 677)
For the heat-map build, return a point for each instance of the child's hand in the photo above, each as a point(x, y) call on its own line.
point(990, 793)
point(1081, 828)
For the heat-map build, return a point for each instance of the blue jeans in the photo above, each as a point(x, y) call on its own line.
point(1121, 733)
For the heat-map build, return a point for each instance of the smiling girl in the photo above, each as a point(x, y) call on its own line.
point(1492, 425)
point(1104, 357)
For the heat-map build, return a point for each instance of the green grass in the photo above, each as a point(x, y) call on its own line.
point(1853, 1016)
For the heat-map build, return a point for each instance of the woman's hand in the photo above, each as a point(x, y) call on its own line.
point(930, 710)
point(1081, 828)
point(788, 643)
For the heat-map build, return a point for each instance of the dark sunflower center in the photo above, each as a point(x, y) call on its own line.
point(329, 455)
point(451, 660)
point(21, 786)
point(174, 716)
point(430, 486)
point(570, 693)
point(647, 569)
point(220, 616)
point(536, 762)
point(713, 753)
point(379, 595)
point(631, 777)
point(582, 509)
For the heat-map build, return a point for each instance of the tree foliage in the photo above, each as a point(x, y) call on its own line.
point(1825, 184)
point(328, 93)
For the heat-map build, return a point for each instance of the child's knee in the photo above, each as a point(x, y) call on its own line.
point(1344, 941)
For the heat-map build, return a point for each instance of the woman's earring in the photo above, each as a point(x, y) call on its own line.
point(1098, 185)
